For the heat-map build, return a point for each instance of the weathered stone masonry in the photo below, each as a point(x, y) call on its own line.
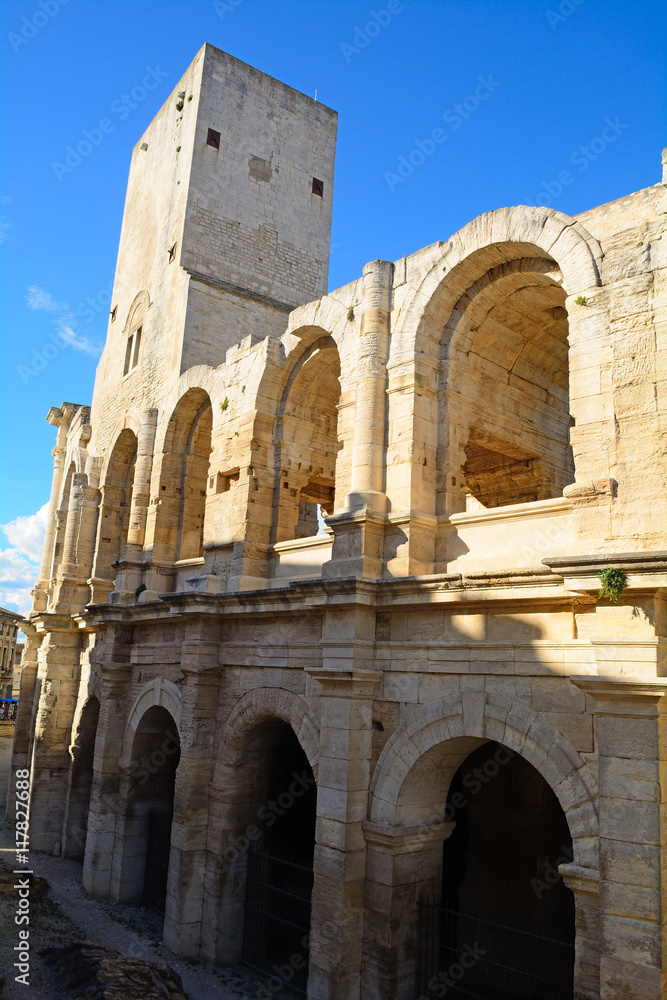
point(482, 425)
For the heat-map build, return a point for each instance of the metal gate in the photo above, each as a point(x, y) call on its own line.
point(465, 958)
point(157, 859)
point(277, 918)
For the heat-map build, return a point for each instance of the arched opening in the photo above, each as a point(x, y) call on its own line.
point(268, 860)
point(504, 924)
point(307, 444)
point(179, 534)
point(115, 505)
point(156, 754)
point(504, 398)
point(81, 781)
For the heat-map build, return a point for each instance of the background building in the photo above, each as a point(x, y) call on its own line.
point(420, 721)
point(10, 656)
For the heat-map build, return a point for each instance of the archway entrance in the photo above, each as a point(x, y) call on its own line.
point(147, 842)
point(81, 781)
point(279, 878)
point(505, 927)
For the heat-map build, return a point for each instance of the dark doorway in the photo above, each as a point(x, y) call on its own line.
point(505, 927)
point(81, 781)
point(279, 878)
point(147, 842)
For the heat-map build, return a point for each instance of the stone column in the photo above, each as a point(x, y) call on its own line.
point(141, 487)
point(368, 451)
point(68, 565)
point(337, 912)
point(131, 571)
point(403, 863)
point(631, 729)
point(359, 530)
point(58, 675)
point(41, 591)
point(187, 862)
point(108, 522)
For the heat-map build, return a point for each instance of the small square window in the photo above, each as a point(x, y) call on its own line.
point(172, 253)
point(318, 187)
point(213, 138)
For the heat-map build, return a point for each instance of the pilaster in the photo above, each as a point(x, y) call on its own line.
point(631, 733)
point(337, 912)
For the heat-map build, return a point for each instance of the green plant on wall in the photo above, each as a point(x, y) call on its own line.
point(614, 582)
point(140, 589)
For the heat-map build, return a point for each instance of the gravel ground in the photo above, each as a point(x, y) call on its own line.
point(67, 913)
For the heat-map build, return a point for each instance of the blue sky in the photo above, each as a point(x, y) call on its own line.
point(560, 103)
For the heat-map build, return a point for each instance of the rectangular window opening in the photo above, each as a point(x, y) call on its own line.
point(137, 342)
point(213, 138)
point(128, 355)
point(318, 187)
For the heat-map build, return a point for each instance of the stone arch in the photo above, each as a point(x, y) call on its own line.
point(511, 724)
point(128, 422)
point(488, 241)
point(185, 456)
point(306, 442)
point(263, 705)
point(156, 693)
point(137, 311)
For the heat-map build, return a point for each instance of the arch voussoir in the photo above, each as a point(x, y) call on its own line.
point(521, 730)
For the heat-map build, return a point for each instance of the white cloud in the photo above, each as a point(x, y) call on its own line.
point(65, 321)
point(37, 298)
point(19, 564)
point(80, 343)
point(26, 533)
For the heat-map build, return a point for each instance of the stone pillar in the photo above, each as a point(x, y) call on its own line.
point(105, 795)
point(85, 548)
point(21, 748)
point(337, 912)
point(359, 529)
point(584, 884)
point(41, 590)
point(108, 523)
point(187, 862)
point(368, 451)
point(58, 675)
point(631, 730)
point(141, 487)
point(403, 863)
point(68, 565)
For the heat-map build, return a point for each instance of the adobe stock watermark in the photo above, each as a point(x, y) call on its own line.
point(549, 876)
point(31, 26)
point(474, 780)
point(454, 118)
point(442, 982)
point(66, 333)
point(565, 9)
point(121, 108)
point(581, 158)
point(267, 816)
point(378, 20)
point(223, 7)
